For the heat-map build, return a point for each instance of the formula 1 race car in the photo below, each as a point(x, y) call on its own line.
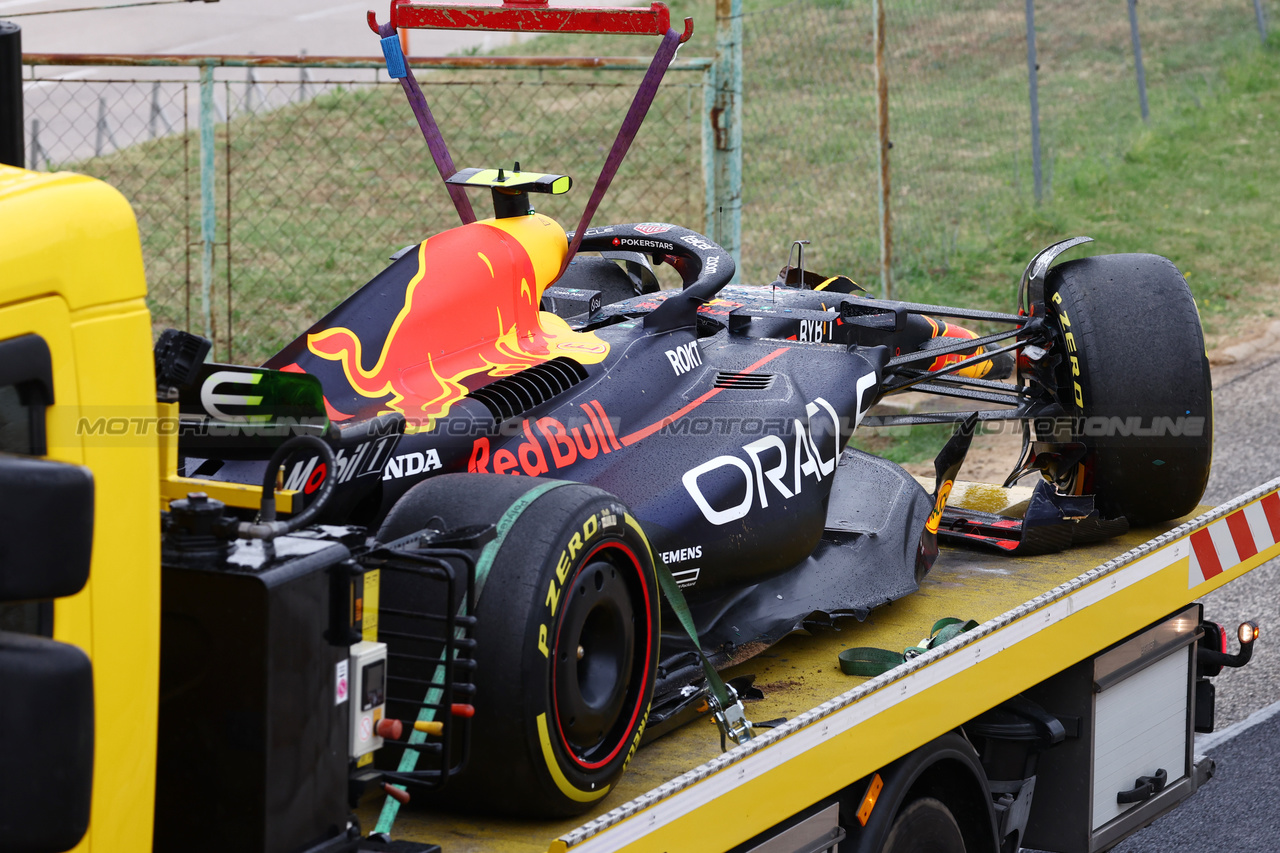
point(647, 458)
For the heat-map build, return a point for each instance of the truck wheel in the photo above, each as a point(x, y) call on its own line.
point(926, 825)
point(1135, 379)
point(566, 637)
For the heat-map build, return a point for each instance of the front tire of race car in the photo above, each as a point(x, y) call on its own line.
point(1135, 378)
point(567, 632)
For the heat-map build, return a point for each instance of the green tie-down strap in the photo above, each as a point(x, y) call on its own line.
point(869, 662)
point(728, 711)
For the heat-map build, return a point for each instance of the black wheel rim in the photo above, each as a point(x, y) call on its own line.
point(600, 658)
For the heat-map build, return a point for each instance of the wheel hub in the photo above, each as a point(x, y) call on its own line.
point(595, 655)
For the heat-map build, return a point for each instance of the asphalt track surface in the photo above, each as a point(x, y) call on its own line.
point(1240, 807)
point(1237, 810)
point(281, 27)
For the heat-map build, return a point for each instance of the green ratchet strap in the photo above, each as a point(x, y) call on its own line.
point(409, 759)
point(869, 662)
point(729, 714)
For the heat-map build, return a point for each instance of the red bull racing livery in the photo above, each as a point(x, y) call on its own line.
point(647, 483)
point(712, 424)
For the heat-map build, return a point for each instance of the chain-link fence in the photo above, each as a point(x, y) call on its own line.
point(318, 177)
point(959, 114)
point(320, 172)
point(102, 129)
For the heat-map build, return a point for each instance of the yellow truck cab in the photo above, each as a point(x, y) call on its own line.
point(75, 342)
point(98, 752)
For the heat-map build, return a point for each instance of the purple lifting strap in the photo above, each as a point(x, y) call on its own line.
point(626, 134)
point(431, 132)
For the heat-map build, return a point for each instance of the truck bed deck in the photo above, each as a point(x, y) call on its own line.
point(1039, 614)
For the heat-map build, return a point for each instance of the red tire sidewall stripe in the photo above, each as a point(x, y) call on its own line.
point(635, 712)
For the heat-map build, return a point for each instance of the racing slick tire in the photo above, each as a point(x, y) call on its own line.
point(1136, 380)
point(567, 632)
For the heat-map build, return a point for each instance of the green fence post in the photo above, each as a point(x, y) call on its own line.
point(208, 220)
point(1136, 38)
point(726, 125)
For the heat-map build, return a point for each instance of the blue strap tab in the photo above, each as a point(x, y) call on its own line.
point(395, 57)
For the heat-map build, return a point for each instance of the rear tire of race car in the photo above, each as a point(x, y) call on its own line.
point(567, 632)
point(1136, 381)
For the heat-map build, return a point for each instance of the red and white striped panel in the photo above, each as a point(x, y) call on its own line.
point(1234, 538)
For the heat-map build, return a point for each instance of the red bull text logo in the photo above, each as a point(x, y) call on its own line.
point(471, 309)
point(548, 444)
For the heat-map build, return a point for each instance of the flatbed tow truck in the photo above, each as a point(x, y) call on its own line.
point(1056, 710)
point(1103, 643)
point(1082, 622)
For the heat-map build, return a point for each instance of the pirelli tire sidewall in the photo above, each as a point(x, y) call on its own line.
point(573, 556)
point(1135, 380)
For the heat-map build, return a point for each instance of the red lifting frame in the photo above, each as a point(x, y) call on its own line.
point(534, 16)
point(538, 16)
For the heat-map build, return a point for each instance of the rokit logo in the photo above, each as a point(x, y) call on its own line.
point(684, 357)
point(548, 444)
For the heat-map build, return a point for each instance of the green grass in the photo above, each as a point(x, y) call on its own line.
point(904, 445)
point(323, 191)
point(965, 219)
point(1190, 186)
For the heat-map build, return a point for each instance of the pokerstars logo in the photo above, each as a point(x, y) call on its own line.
point(626, 242)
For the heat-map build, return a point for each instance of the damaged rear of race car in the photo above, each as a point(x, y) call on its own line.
point(645, 485)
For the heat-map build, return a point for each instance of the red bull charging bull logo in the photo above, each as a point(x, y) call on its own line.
point(472, 309)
